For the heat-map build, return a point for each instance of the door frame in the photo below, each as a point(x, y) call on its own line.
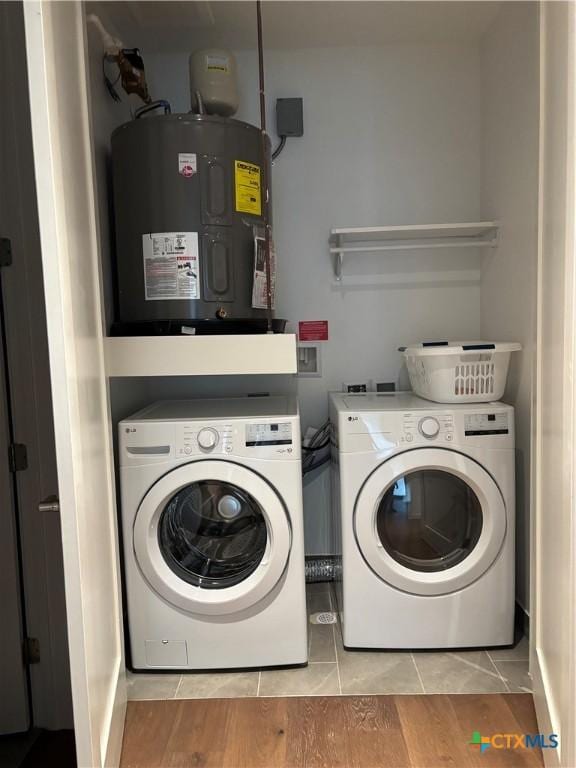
point(56, 49)
point(555, 688)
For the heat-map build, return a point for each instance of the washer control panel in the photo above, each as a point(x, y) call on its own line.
point(193, 439)
point(221, 438)
point(208, 438)
point(266, 434)
point(416, 426)
point(275, 438)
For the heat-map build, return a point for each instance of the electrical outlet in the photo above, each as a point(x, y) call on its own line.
point(356, 387)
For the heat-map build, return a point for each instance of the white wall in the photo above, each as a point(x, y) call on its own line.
point(510, 103)
point(392, 135)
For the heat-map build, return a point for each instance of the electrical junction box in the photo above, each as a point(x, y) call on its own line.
point(289, 117)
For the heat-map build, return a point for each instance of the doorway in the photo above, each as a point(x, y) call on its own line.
point(34, 664)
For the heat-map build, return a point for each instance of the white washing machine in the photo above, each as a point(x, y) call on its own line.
point(424, 521)
point(213, 534)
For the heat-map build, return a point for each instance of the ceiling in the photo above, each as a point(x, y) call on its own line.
point(183, 26)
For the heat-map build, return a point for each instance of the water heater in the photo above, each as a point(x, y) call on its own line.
point(188, 205)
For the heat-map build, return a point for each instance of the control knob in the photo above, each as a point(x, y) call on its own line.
point(429, 427)
point(208, 438)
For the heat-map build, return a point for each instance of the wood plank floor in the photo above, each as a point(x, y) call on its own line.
point(327, 732)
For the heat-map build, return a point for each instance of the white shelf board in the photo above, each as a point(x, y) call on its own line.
point(347, 241)
point(415, 232)
point(410, 279)
point(201, 355)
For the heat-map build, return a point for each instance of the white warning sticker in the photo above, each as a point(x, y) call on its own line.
point(260, 284)
point(187, 164)
point(171, 265)
point(218, 63)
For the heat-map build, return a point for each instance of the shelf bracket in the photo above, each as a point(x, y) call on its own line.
point(338, 260)
point(338, 266)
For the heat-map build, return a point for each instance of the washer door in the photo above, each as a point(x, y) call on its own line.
point(212, 537)
point(430, 521)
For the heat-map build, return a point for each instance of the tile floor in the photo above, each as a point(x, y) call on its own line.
point(333, 671)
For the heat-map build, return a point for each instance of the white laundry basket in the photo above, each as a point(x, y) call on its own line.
point(459, 371)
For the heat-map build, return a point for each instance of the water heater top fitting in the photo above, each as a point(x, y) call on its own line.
point(213, 77)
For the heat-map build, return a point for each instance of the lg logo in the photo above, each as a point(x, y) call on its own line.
point(353, 418)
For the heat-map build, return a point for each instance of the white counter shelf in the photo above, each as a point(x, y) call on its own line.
point(217, 355)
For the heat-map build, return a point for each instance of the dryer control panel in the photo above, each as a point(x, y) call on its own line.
point(404, 422)
point(476, 424)
point(429, 426)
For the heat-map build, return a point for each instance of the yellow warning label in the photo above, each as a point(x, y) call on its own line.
point(247, 182)
point(218, 64)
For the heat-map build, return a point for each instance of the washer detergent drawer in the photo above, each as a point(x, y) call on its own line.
point(166, 653)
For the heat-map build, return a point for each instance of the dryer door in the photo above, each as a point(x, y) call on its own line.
point(212, 537)
point(430, 521)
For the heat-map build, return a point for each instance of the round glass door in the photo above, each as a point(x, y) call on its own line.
point(212, 534)
point(429, 521)
point(212, 537)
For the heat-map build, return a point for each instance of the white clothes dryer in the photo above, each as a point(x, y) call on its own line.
point(212, 527)
point(424, 521)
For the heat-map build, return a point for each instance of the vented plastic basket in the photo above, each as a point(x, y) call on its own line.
point(459, 371)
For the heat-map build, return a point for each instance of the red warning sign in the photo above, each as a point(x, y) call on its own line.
point(313, 330)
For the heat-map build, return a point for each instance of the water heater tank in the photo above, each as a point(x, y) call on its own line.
point(188, 206)
point(213, 76)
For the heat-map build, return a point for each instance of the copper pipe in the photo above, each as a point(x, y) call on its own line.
point(265, 180)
